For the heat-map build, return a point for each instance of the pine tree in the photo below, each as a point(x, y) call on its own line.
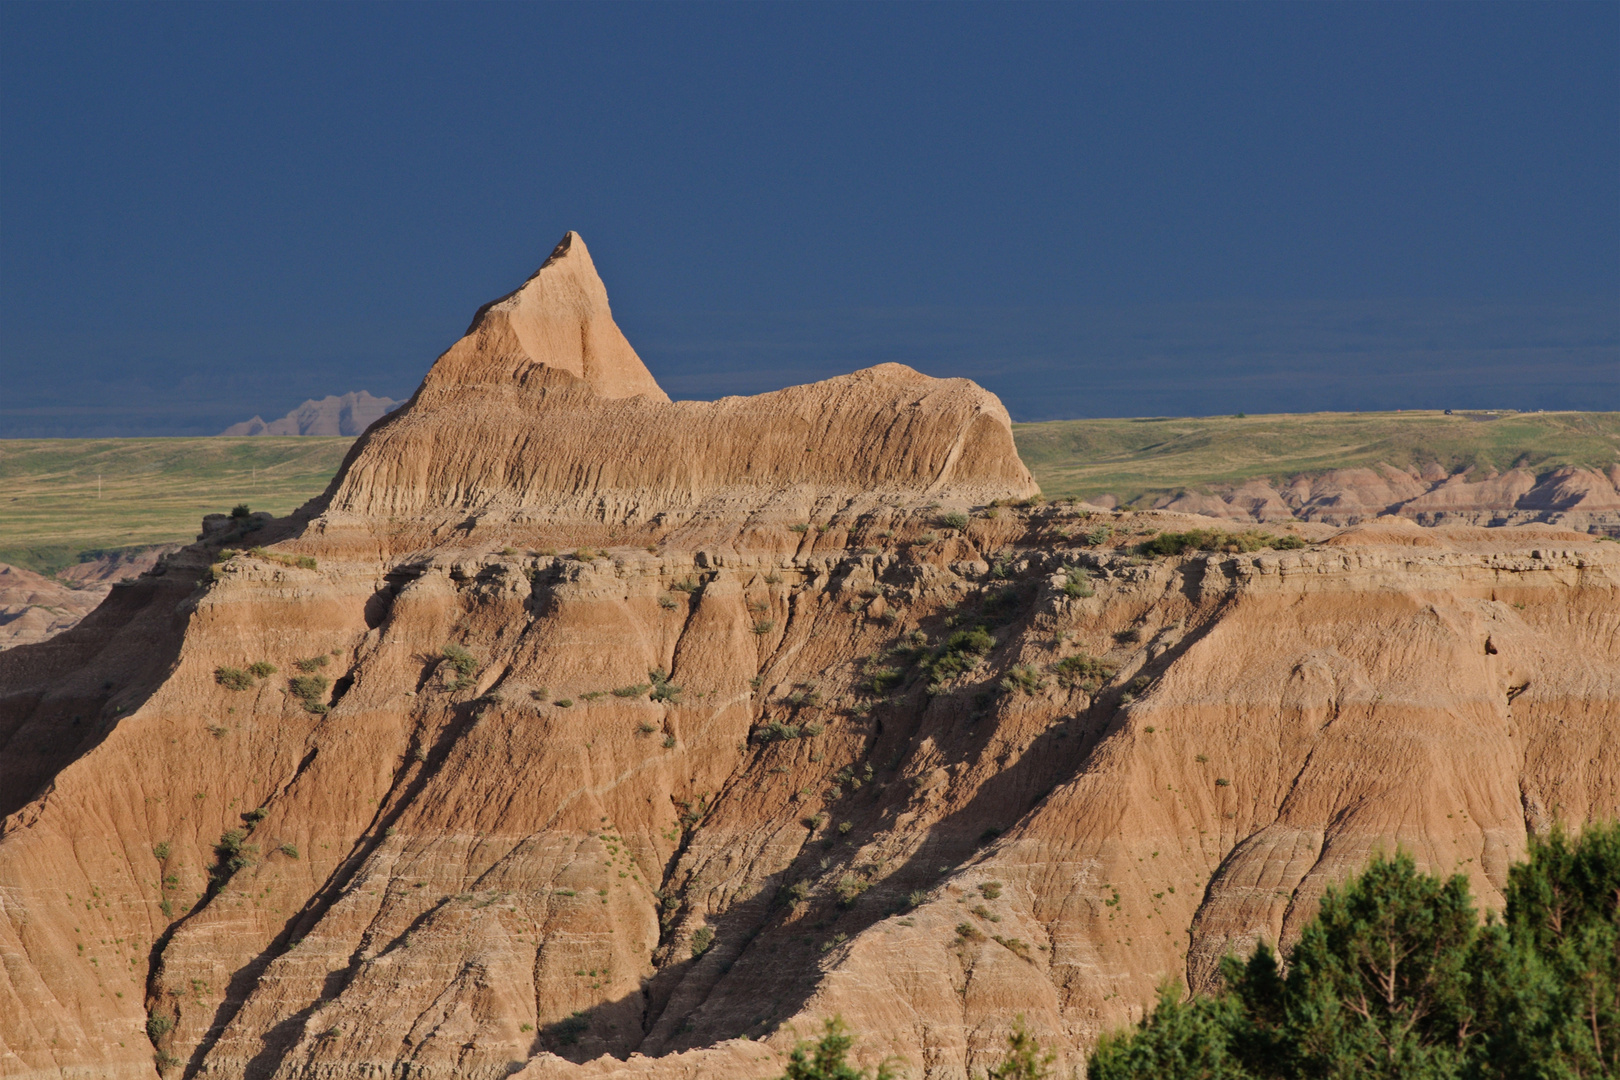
point(824, 1058)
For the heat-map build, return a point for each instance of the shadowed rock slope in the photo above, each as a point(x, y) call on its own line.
point(797, 723)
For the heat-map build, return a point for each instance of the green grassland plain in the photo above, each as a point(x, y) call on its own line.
point(63, 498)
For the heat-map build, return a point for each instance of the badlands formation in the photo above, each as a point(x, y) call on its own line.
point(611, 736)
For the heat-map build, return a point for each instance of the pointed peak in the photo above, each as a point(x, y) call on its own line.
point(559, 317)
point(570, 240)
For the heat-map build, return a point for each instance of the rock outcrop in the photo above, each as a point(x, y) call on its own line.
point(34, 607)
point(349, 414)
point(1584, 499)
point(575, 733)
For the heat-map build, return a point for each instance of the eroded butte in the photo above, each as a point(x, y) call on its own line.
point(808, 727)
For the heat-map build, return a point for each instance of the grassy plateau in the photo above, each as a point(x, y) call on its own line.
point(63, 499)
point(1135, 459)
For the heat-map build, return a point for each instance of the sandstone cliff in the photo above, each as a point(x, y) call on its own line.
point(609, 736)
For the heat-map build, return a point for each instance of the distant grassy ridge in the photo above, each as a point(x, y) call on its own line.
point(1136, 459)
point(151, 491)
point(155, 491)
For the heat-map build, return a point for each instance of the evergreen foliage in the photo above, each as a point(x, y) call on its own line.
point(824, 1058)
point(1398, 978)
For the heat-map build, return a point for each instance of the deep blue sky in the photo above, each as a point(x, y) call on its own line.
point(208, 211)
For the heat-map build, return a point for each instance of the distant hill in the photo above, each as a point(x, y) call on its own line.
point(1479, 467)
point(331, 415)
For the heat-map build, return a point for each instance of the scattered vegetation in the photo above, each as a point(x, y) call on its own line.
point(824, 1059)
point(1397, 976)
point(633, 690)
point(1179, 543)
point(764, 626)
point(313, 663)
point(702, 940)
point(1024, 1059)
point(261, 669)
point(1083, 672)
point(960, 653)
point(233, 678)
point(955, 519)
point(1076, 582)
point(662, 688)
point(311, 690)
point(1022, 679)
point(464, 663)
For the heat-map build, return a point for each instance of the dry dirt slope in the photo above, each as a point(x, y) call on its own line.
point(819, 804)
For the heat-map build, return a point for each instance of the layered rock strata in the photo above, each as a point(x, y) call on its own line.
point(613, 737)
point(1587, 500)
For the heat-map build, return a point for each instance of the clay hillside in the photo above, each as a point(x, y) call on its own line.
point(578, 733)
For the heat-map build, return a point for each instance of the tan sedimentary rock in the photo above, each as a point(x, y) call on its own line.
point(779, 815)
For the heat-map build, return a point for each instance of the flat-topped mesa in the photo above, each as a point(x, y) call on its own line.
point(543, 411)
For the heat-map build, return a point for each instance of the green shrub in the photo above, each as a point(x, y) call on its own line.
point(158, 1026)
point(312, 663)
point(662, 688)
point(160, 851)
point(633, 690)
point(310, 689)
point(645, 728)
point(263, 669)
point(289, 850)
point(824, 1059)
point(800, 528)
point(990, 890)
point(776, 731)
point(1076, 582)
point(880, 680)
point(1022, 679)
point(685, 585)
point(240, 512)
point(926, 539)
point(233, 678)
point(669, 742)
point(702, 939)
point(953, 520)
point(764, 626)
point(960, 653)
point(1100, 535)
point(1085, 672)
point(668, 603)
point(1024, 1059)
point(849, 889)
point(464, 663)
point(1179, 543)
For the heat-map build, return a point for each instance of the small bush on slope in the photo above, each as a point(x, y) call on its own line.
point(1397, 978)
point(824, 1058)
